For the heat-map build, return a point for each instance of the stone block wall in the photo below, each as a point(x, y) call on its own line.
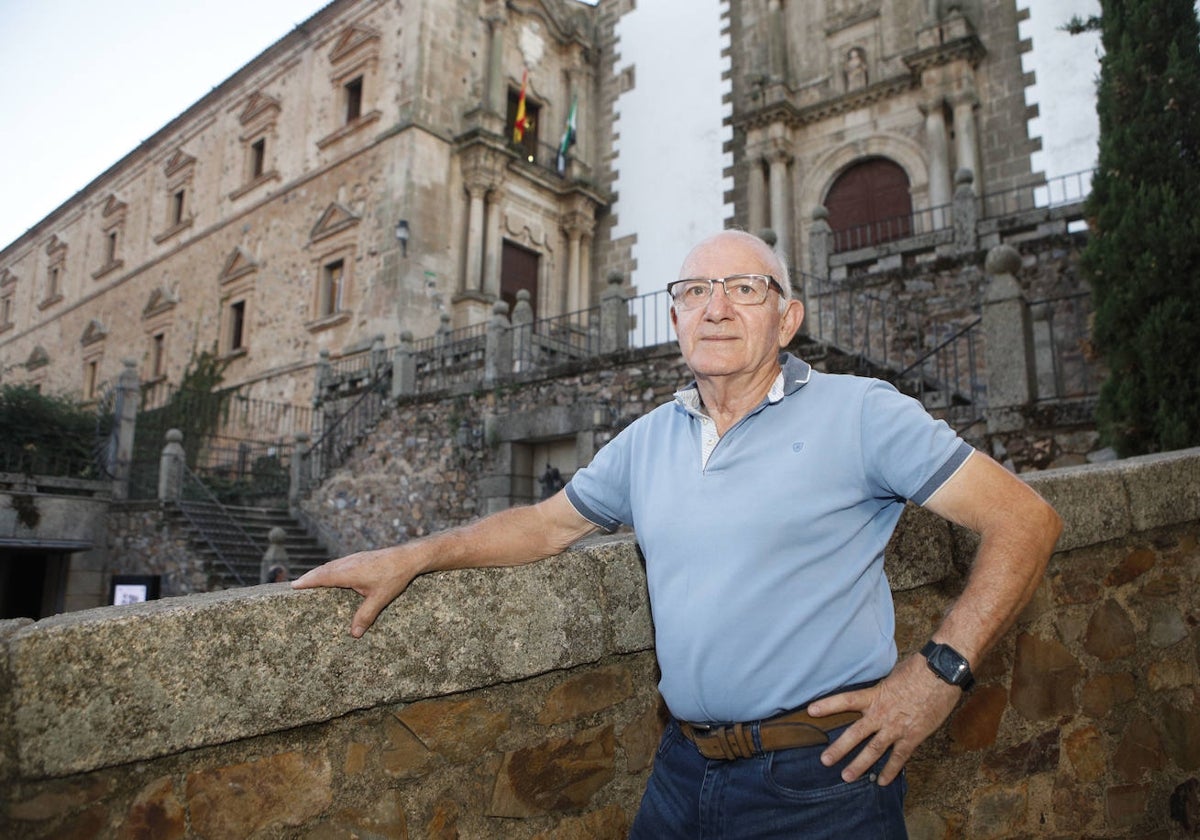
point(521, 702)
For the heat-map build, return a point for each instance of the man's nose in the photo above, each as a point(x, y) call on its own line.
point(719, 305)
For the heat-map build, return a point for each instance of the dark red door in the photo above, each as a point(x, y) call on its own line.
point(869, 203)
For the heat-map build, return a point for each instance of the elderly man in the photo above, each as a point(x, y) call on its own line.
point(762, 498)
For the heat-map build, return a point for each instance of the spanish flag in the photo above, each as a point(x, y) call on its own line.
point(521, 124)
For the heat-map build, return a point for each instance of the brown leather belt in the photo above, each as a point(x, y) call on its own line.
point(782, 732)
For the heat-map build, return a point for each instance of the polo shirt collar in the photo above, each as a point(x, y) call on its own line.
point(793, 376)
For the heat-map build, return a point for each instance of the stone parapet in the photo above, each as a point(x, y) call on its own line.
point(521, 703)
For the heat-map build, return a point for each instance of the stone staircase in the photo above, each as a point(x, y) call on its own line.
point(233, 539)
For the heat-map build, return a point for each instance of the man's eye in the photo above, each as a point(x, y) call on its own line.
point(695, 291)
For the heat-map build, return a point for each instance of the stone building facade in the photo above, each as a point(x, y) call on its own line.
point(867, 109)
point(360, 178)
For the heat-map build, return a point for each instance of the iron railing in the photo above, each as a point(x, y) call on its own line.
point(211, 521)
point(334, 443)
point(947, 378)
point(1066, 366)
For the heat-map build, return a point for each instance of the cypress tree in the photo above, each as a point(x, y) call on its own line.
point(1143, 252)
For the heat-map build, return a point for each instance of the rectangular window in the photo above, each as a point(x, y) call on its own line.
point(258, 157)
point(90, 380)
point(354, 92)
point(52, 282)
point(112, 248)
point(177, 207)
point(237, 325)
point(158, 361)
point(6, 311)
point(331, 288)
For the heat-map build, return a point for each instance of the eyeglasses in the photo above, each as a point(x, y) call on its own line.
point(741, 289)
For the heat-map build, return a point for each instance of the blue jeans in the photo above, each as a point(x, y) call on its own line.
point(784, 794)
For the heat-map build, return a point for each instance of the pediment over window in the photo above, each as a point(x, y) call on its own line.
point(38, 358)
point(237, 264)
point(353, 40)
point(178, 162)
point(336, 218)
point(259, 107)
point(55, 245)
point(7, 278)
point(113, 206)
point(94, 332)
point(161, 300)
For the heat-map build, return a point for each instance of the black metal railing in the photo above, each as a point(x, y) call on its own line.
point(917, 223)
point(216, 528)
point(1067, 366)
point(345, 429)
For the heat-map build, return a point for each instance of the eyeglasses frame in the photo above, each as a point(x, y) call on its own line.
point(771, 282)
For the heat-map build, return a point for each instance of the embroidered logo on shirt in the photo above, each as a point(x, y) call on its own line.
point(797, 446)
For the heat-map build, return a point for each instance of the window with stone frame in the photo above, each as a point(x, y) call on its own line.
point(179, 171)
point(112, 227)
point(258, 120)
point(56, 252)
point(354, 71)
point(329, 298)
point(7, 298)
point(528, 144)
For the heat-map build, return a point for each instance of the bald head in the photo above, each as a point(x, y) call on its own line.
point(742, 247)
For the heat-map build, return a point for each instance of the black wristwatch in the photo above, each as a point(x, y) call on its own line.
point(949, 665)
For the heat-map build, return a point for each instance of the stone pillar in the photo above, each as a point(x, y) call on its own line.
point(495, 100)
point(324, 373)
point(966, 136)
point(170, 468)
point(274, 567)
point(127, 404)
point(781, 201)
point(614, 315)
point(966, 214)
point(522, 332)
point(574, 232)
point(756, 195)
point(937, 146)
point(1008, 333)
point(820, 242)
point(473, 265)
point(378, 356)
point(777, 52)
point(498, 360)
point(404, 367)
point(300, 474)
point(491, 241)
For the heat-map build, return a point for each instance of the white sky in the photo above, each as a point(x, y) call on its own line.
point(83, 82)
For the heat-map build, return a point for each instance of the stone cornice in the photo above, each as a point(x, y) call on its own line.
point(787, 112)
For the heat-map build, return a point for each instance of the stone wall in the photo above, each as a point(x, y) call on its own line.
point(521, 703)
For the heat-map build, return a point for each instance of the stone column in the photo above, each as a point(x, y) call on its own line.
point(937, 146)
point(127, 404)
point(324, 373)
point(1008, 333)
point(301, 469)
point(614, 315)
point(781, 201)
point(966, 136)
point(820, 242)
point(473, 265)
point(404, 367)
point(522, 332)
point(495, 100)
point(497, 361)
point(274, 567)
point(777, 52)
point(491, 242)
point(574, 228)
point(756, 189)
point(170, 468)
point(966, 214)
point(378, 355)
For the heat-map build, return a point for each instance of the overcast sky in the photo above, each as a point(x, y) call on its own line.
point(83, 82)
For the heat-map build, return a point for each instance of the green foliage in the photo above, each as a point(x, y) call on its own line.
point(45, 435)
point(196, 408)
point(1143, 253)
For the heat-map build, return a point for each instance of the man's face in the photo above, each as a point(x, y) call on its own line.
point(722, 338)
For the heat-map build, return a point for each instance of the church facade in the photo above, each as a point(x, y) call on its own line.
point(392, 168)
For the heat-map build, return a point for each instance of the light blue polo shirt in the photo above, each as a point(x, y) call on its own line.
point(765, 559)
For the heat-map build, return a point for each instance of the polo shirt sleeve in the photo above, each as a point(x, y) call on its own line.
point(600, 491)
point(906, 452)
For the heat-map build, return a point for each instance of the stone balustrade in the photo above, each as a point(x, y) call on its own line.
point(521, 702)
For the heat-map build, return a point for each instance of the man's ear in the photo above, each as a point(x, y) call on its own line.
point(790, 321)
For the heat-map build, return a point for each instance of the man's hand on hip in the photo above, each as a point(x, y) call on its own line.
point(898, 713)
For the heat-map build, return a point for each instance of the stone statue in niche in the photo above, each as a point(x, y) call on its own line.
point(856, 69)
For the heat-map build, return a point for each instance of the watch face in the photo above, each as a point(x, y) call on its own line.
point(949, 665)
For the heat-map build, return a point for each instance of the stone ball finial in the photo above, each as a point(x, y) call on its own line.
point(499, 308)
point(615, 277)
point(820, 213)
point(1002, 259)
point(277, 536)
point(963, 176)
point(768, 235)
point(174, 436)
point(523, 294)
